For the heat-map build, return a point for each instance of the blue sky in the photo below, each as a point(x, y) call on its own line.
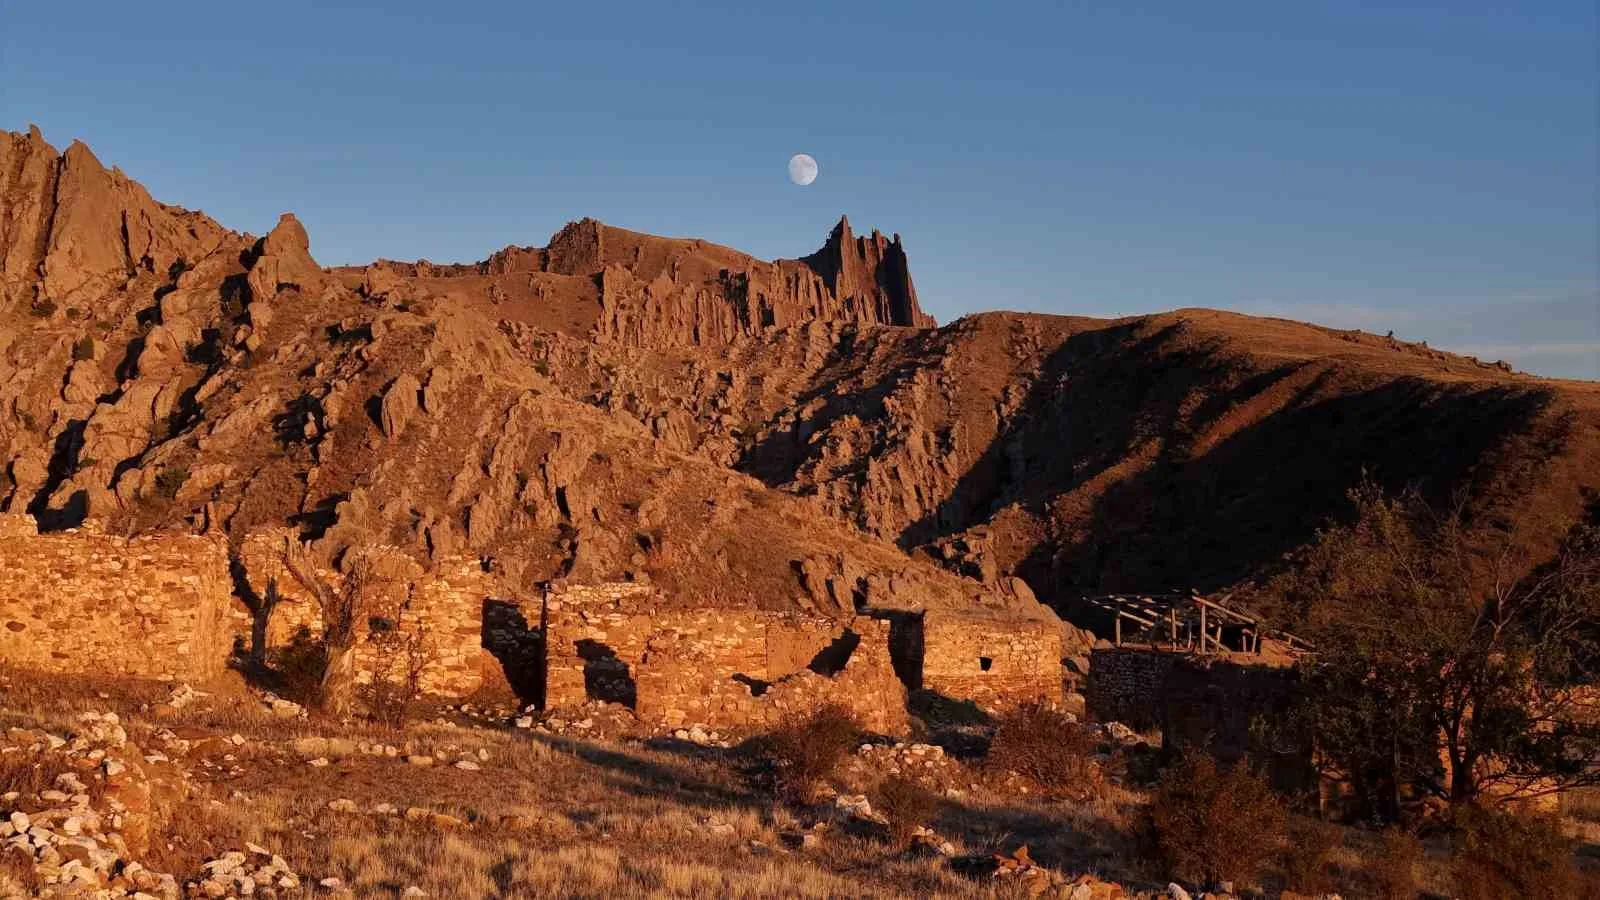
point(1429, 169)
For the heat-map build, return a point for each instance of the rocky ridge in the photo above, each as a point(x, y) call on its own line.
point(789, 434)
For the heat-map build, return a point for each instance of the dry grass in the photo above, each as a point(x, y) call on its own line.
point(1503, 855)
point(546, 816)
point(1396, 867)
point(1308, 857)
point(556, 816)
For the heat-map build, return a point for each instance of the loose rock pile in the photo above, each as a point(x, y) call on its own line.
point(79, 836)
point(593, 720)
point(255, 873)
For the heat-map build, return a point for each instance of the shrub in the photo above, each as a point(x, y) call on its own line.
point(1049, 748)
point(1210, 825)
point(1309, 855)
point(170, 480)
point(906, 806)
point(806, 751)
point(1394, 867)
point(396, 684)
point(83, 348)
point(1499, 854)
point(298, 666)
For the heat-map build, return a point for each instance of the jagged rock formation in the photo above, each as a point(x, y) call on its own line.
point(789, 435)
point(70, 229)
point(648, 292)
point(224, 384)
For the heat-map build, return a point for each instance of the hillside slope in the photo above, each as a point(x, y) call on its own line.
point(789, 433)
point(219, 382)
point(1188, 449)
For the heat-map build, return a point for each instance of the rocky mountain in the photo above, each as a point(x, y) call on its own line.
point(794, 433)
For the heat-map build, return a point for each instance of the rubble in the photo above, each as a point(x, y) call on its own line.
point(85, 832)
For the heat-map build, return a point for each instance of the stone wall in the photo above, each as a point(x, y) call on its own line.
point(1230, 705)
point(1222, 703)
point(1127, 685)
point(428, 619)
point(84, 602)
point(719, 667)
point(990, 660)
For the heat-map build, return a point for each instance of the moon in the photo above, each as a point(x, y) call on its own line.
point(802, 169)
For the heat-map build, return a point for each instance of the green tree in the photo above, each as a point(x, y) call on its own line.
point(1447, 664)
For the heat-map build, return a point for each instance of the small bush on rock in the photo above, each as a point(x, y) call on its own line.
point(906, 806)
point(1498, 854)
point(806, 751)
point(1210, 824)
point(170, 481)
point(1048, 747)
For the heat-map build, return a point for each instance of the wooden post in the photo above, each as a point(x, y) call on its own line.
point(1172, 626)
point(1203, 632)
point(1119, 629)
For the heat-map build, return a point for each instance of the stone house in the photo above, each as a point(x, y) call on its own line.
point(178, 606)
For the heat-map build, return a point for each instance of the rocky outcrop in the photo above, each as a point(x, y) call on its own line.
point(658, 292)
point(283, 260)
point(869, 273)
point(400, 404)
point(70, 228)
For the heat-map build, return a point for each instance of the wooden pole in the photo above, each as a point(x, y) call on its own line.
point(1172, 626)
point(1203, 632)
point(1119, 629)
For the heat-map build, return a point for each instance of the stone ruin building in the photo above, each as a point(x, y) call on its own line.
point(179, 606)
point(1201, 673)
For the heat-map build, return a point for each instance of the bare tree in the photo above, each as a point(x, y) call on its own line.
point(342, 607)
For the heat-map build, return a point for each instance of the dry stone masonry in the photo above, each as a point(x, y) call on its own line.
point(1219, 701)
point(163, 606)
point(720, 667)
point(430, 618)
point(79, 601)
point(990, 659)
